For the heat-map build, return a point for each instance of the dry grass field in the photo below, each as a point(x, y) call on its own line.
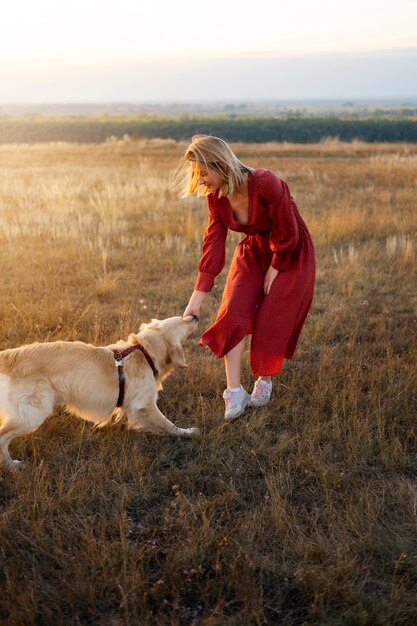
point(304, 512)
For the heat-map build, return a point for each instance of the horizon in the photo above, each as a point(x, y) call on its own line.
point(402, 100)
point(376, 75)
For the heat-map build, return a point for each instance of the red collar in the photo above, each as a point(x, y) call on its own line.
point(119, 356)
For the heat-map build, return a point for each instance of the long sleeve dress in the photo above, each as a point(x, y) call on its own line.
point(275, 235)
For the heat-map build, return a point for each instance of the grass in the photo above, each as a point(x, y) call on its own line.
point(303, 512)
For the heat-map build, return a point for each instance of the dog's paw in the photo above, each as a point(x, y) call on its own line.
point(191, 432)
point(14, 464)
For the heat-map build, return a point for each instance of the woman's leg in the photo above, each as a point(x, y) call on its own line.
point(236, 399)
point(233, 364)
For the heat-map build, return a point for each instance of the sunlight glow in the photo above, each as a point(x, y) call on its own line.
point(132, 49)
point(105, 31)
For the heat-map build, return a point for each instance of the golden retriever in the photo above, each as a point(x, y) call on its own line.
point(36, 379)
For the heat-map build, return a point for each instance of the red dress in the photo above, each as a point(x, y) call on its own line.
point(275, 235)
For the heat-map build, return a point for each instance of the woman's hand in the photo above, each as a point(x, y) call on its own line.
point(270, 276)
point(195, 303)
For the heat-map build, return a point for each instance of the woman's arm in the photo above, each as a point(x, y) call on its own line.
point(211, 262)
point(284, 235)
point(213, 254)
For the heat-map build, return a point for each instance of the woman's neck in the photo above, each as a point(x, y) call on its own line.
point(242, 190)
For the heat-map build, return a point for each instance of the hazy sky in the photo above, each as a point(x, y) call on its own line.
point(91, 50)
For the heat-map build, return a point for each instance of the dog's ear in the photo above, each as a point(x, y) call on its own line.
point(152, 324)
point(177, 356)
point(134, 338)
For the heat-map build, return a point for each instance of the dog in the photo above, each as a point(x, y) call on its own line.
point(90, 381)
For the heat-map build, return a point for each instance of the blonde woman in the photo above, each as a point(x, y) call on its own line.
point(269, 287)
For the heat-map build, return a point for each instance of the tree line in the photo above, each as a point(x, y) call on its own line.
point(97, 129)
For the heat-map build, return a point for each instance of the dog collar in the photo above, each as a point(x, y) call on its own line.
point(118, 361)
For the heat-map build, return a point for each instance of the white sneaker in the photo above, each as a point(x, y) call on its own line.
point(261, 393)
point(235, 403)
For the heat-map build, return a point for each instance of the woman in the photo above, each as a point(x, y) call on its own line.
point(269, 288)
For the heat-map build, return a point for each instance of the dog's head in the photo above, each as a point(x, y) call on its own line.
point(166, 337)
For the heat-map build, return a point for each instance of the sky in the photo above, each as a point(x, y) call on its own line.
point(173, 50)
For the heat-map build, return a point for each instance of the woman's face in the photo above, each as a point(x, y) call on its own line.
point(208, 178)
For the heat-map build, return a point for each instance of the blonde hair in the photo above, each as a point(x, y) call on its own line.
point(214, 154)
